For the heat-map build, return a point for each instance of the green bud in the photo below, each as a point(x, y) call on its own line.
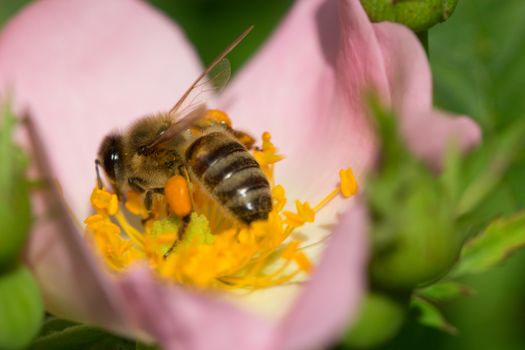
point(414, 233)
point(21, 309)
point(417, 15)
point(379, 320)
point(15, 207)
point(416, 243)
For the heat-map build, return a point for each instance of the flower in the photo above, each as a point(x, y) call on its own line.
point(85, 67)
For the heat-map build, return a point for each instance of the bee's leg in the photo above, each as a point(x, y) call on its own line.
point(182, 230)
point(184, 172)
point(148, 201)
point(136, 184)
point(246, 139)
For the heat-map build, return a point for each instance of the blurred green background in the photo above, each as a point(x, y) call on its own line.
point(478, 60)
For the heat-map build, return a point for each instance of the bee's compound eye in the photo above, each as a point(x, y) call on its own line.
point(110, 154)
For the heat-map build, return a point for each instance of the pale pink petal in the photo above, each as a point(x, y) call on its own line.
point(84, 68)
point(295, 88)
point(331, 298)
point(180, 319)
point(70, 279)
point(427, 131)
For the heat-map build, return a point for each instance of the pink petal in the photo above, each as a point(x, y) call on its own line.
point(70, 279)
point(293, 89)
point(180, 319)
point(427, 131)
point(83, 68)
point(331, 298)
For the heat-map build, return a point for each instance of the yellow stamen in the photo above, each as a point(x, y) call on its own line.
point(327, 199)
point(349, 185)
point(130, 230)
point(258, 256)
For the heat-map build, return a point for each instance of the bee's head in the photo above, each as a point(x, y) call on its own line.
point(110, 156)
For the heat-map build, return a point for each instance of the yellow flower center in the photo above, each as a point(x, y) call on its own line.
point(261, 255)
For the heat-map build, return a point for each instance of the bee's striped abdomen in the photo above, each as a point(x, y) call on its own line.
point(231, 175)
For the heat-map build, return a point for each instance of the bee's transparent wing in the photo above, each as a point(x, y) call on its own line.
point(211, 82)
point(191, 106)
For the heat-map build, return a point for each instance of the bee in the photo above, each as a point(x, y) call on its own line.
point(196, 149)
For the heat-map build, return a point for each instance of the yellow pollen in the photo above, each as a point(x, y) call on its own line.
point(258, 256)
point(218, 116)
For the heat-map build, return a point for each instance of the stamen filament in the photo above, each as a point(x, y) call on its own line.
point(327, 199)
point(135, 235)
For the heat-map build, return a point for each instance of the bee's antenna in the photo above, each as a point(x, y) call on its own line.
point(99, 179)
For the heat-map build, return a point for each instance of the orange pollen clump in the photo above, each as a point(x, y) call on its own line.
point(261, 255)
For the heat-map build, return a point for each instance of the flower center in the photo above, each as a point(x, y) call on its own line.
point(260, 255)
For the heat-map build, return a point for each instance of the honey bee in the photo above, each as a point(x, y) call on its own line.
point(189, 144)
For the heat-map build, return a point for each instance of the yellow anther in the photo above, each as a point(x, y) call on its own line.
point(290, 250)
point(305, 211)
point(113, 205)
point(103, 200)
point(348, 182)
point(293, 219)
point(279, 197)
point(303, 262)
point(93, 219)
point(266, 136)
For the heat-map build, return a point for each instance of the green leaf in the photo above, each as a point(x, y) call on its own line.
point(8, 8)
point(444, 291)
point(498, 155)
point(81, 337)
point(21, 309)
point(493, 246)
point(486, 86)
point(142, 346)
point(53, 325)
point(15, 207)
point(431, 316)
point(418, 15)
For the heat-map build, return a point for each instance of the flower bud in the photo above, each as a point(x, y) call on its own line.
point(417, 15)
point(416, 241)
point(21, 309)
point(379, 320)
point(15, 207)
